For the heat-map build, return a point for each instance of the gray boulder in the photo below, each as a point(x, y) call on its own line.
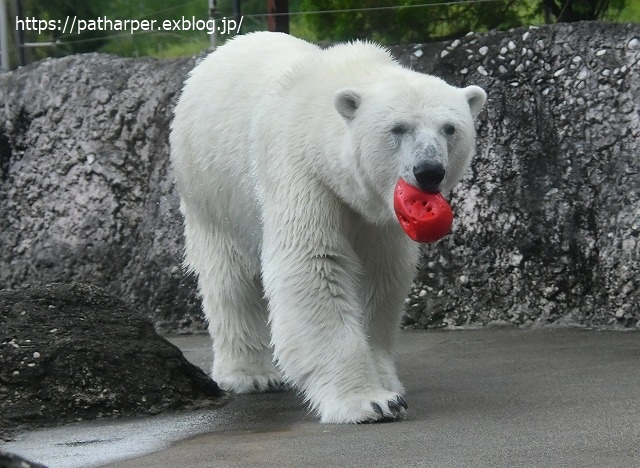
point(86, 189)
point(546, 223)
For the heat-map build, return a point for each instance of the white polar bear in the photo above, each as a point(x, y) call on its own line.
point(286, 157)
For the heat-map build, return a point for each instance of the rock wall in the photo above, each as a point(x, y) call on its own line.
point(547, 222)
point(86, 189)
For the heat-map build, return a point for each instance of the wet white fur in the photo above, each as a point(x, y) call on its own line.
point(286, 166)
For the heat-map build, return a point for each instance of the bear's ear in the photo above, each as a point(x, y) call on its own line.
point(476, 97)
point(347, 102)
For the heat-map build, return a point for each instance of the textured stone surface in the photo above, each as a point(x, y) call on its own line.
point(70, 352)
point(86, 191)
point(547, 223)
point(546, 226)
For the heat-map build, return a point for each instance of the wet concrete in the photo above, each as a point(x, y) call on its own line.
point(499, 398)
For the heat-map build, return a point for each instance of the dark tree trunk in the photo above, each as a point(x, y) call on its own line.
point(570, 11)
point(278, 20)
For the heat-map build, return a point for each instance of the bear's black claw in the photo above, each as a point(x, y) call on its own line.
point(377, 409)
point(275, 386)
point(401, 402)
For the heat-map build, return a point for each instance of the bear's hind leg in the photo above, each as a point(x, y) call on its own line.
point(234, 306)
point(243, 361)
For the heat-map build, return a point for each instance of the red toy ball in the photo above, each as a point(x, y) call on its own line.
point(424, 216)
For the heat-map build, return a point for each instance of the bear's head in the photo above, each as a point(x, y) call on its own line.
point(411, 126)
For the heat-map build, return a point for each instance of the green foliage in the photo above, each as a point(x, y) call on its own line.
point(54, 10)
point(628, 13)
point(402, 21)
point(140, 43)
point(407, 21)
point(580, 10)
point(413, 20)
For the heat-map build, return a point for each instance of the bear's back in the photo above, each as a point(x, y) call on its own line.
point(263, 54)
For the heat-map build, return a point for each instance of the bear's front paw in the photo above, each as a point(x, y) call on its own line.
point(395, 408)
point(241, 381)
point(381, 407)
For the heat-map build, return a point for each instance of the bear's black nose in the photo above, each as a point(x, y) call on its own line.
point(429, 175)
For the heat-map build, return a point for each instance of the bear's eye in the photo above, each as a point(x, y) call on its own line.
point(400, 129)
point(449, 129)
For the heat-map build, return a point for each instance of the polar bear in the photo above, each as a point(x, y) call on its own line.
point(286, 156)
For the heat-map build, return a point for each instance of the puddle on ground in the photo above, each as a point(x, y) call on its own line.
point(96, 443)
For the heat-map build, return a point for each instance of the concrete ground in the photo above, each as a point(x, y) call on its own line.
point(477, 398)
